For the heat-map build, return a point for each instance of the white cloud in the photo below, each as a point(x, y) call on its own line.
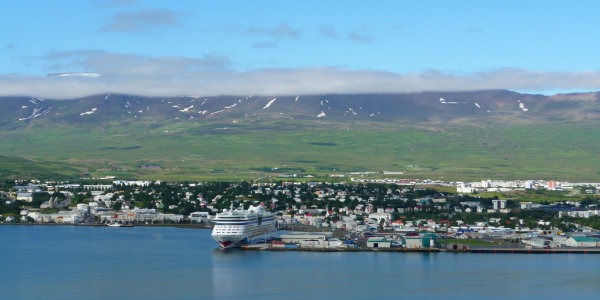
point(280, 31)
point(328, 31)
point(110, 4)
point(265, 45)
point(143, 20)
point(107, 63)
point(209, 76)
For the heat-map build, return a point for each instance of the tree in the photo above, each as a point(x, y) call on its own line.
point(116, 206)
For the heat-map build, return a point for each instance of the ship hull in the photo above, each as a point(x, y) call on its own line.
point(238, 240)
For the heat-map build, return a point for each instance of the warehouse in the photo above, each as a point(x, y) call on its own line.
point(582, 241)
point(298, 237)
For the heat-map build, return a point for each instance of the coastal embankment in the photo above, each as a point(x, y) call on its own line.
point(496, 250)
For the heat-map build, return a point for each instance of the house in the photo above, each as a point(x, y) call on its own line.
point(582, 241)
point(381, 216)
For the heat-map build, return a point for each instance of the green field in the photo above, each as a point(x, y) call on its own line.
point(227, 151)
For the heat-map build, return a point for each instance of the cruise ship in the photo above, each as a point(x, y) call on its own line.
point(234, 228)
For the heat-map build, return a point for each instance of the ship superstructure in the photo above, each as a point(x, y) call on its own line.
point(234, 228)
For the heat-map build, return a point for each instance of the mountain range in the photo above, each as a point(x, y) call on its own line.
point(478, 106)
point(460, 135)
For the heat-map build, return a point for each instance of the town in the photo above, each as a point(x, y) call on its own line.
point(358, 213)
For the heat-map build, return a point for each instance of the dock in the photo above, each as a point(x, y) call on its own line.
point(263, 247)
point(538, 251)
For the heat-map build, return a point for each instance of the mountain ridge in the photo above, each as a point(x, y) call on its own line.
point(445, 107)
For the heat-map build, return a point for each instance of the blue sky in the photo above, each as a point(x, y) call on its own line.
point(295, 47)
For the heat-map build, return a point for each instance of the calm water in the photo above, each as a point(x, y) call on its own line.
point(44, 262)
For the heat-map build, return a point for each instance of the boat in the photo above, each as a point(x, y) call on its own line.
point(235, 228)
point(114, 225)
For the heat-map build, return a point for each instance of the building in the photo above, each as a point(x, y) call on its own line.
point(393, 172)
point(552, 185)
point(298, 237)
point(582, 241)
point(278, 244)
point(169, 217)
point(379, 243)
point(380, 216)
point(499, 204)
point(526, 205)
point(103, 197)
point(27, 197)
point(132, 183)
point(52, 203)
point(199, 217)
point(417, 242)
point(28, 188)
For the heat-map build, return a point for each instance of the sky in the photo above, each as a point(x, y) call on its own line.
point(208, 48)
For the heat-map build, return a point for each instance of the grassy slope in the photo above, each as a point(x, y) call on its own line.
point(20, 168)
point(563, 151)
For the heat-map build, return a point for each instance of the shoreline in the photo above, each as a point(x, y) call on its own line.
point(435, 250)
point(188, 226)
point(259, 247)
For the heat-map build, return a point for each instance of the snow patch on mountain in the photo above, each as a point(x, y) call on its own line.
point(88, 112)
point(322, 114)
point(186, 109)
point(443, 101)
point(269, 104)
point(522, 106)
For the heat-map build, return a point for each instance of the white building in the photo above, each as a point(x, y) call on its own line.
point(27, 197)
point(380, 216)
point(582, 241)
point(499, 204)
point(199, 217)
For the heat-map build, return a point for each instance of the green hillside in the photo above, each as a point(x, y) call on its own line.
point(555, 138)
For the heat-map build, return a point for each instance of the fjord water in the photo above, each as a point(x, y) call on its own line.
point(68, 262)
